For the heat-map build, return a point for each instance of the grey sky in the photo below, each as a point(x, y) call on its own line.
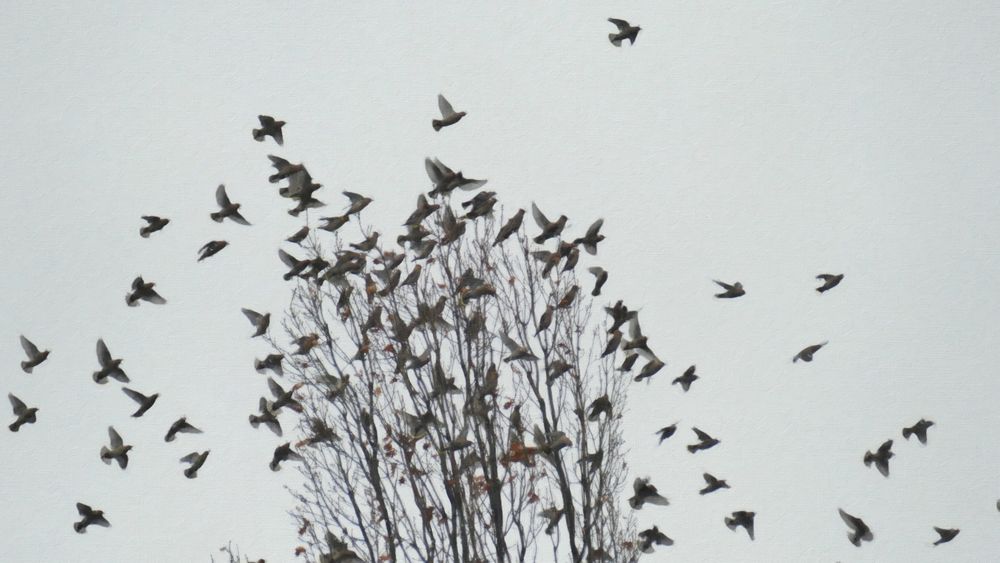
point(764, 143)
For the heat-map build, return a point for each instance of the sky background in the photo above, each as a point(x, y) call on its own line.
point(764, 143)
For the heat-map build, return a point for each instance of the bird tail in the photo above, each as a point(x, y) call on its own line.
point(275, 467)
point(143, 233)
point(190, 474)
point(869, 458)
point(105, 457)
point(616, 41)
point(79, 527)
point(258, 134)
point(907, 432)
point(634, 503)
point(217, 217)
point(14, 427)
point(254, 421)
point(730, 523)
point(692, 448)
point(26, 366)
point(99, 379)
point(436, 124)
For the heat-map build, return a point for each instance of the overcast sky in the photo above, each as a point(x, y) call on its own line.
point(765, 143)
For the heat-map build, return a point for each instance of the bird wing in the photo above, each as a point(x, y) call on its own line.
point(135, 395)
point(83, 509)
point(724, 285)
point(435, 170)
point(595, 228)
point(101, 521)
point(540, 218)
point(596, 270)
point(137, 283)
point(278, 162)
point(509, 343)
point(220, 196)
point(702, 435)
point(853, 522)
point(190, 458)
point(470, 184)
point(445, 107)
point(155, 297)
point(274, 387)
point(103, 355)
point(885, 447)
point(825, 277)
point(116, 439)
point(29, 348)
point(17, 404)
point(288, 259)
point(353, 196)
point(266, 121)
point(239, 218)
point(254, 316)
point(634, 330)
point(621, 24)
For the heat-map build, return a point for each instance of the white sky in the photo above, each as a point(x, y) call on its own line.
point(763, 143)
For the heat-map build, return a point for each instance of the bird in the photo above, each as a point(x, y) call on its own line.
point(423, 211)
point(110, 367)
point(143, 290)
point(637, 341)
point(806, 354)
point(550, 229)
point(153, 224)
point(284, 398)
point(24, 413)
point(284, 169)
point(687, 379)
point(545, 320)
point(90, 517)
point(367, 244)
point(510, 227)
point(741, 518)
point(517, 351)
point(649, 369)
point(299, 236)
point(269, 126)
point(712, 484)
point(358, 202)
point(283, 453)
point(666, 432)
point(593, 459)
point(880, 458)
point(211, 248)
point(568, 299)
point(227, 208)
point(268, 416)
point(593, 236)
point(613, 343)
point(35, 357)
point(653, 536)
point(628, 362)
point(319, 433)
point(331, 224)
point(446, 180)
point(602, 278)
point(620, 315)
point(452, 228)
point(259, 321)
point(599, 405)
point(645, 492)
point(732, 291)
point(271, 362)
point(919, 430)
point(145, 403)
point(625, 31)
point(705, 443)
point(830, 281)
point(448, 115)
point(553, 515)
point(859, 530)
point(196, 460)
point(556, 369)
point(180, 425)
point(118, 450)
point(947, 534)
point(295, 266)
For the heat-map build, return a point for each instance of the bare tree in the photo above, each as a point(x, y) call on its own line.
point(452, 394)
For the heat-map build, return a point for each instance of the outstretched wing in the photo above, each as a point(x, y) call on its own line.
point(540, 218)
point(266, 121)
point(702, 435)
point(445, 107)
point(17, 404)
point(724, 285)
point(239, 218)
point(288, 259)
point(116, 439)
point(621, 24)
point(276, 389)
point(29, 348)
point(103, 355)
point(595, 229)
point(354, 197)
point(190, 458)
point(134, 395)
point(254, 316)
point(220, 196)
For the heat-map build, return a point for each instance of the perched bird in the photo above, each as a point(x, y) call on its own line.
point(145, 403)
point(859, 530)
point(211, 248)
point(687, 379)
point(180, 425)
point(299, 236)
point(653, 536)
point(284, 398)
point(196, 460)
point(510, 227)
point(271, 362)
point(153, 224)
point(556, 369)
point(705, 443)
point(712, 484)
point(118, 450)
point(142, 290)
point(947, 534)
point(806, 354)
point(269, 126)
point(649, 369)
point(568, 299)
point(731, 290)
point(259, 321)
point(545, 320)
point(517, 351)
point(919, 430)
point(666, 432)
point(110, 367)
point(331, 224)
point(625, 31)
point(358, 202)
point(592, 237)
point(227, 208)
point(830, 281)
point(602, 278)
point(645, 492)
point(741, 518)
point(35, 356)
point(550, 443)
point(448, 115)
point(550, 229)
point(880, 458)
point(600, 405)
point(459, 442)
point(446, 180)
point(283, 453)
point(24, 414)
point(90, 516)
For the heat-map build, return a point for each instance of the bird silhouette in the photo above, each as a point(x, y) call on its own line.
point(181, 425)
point(712, 484)
point(143, 291)
point(919, 430)
point(666, 432)
point(282, 453)
point(357, 203)
point(705, 443)
point(602, 278)
point(553, 515)
point(599, 406)
point(269, 126)
point(259, 321)
point(653, 536)
point(732, 291)
point(284, 398)
point(446, 180)
point(946, 534)
point(650, 369)
point(331, 224)
point(145, 403)
point(227, 208)
point(592, 237)
point(153, 224)
point(550, 229)
point(211, 248)
point(110, 367)
point(807, 353)
point(830, 281)
point(271, 362)
point(645, 492)
point(448, 115)
point(196, 460)
point(687, 379)
point(24, 413)
point(299, 236)
point(880, 458)
point(742, 518)
point(625, 31)
point(859, 530)
point(35, 357)
point(89, 517)
point(510, 227)
point(117, 451)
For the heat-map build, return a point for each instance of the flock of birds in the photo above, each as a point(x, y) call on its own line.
point(301, 189)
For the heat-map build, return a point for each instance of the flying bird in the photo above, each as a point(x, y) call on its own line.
point(90, 517)
point(284, 169)
point(448, 115)
point(283, 453)
point(284, 398)
point(227, 208)
point(267, 416)
point(143, 290)
point(741, 518)
point(637, 342)
point(358, 202)
point(367, 244)
point(117, 451)
point(211, 248)
point(628, 362)
point(110, 367)
point(446, 180)
point(517, 351)
point(625, 31)
point(600, 405)
point(510, 227)
point(196, 460)
point(602, 278)
point(653, 536)
point(705, 443)
point(666, 432)
point(712, 484)
point(295, 266)
point(946, 534)
point(806, 354)
point(269, 126)
point(24, 414)
point(649, 369)
point(620, 315)
point(613, 344)
point(687, 379)
point(859, 530)
point(331, 224)
point(732, 291)
point(880, 458)
point(553, 515)
point(919, 430)
point(145, 403)
point(568, 299)
point(423, 211)
point(259, 321)
point(550, 229)
point(153, 224)
point(271, 362)
point(299, 236)
point(180, 425)
point(645, 492)
point(591, 238)
point(35, 356)
point(830, 281)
